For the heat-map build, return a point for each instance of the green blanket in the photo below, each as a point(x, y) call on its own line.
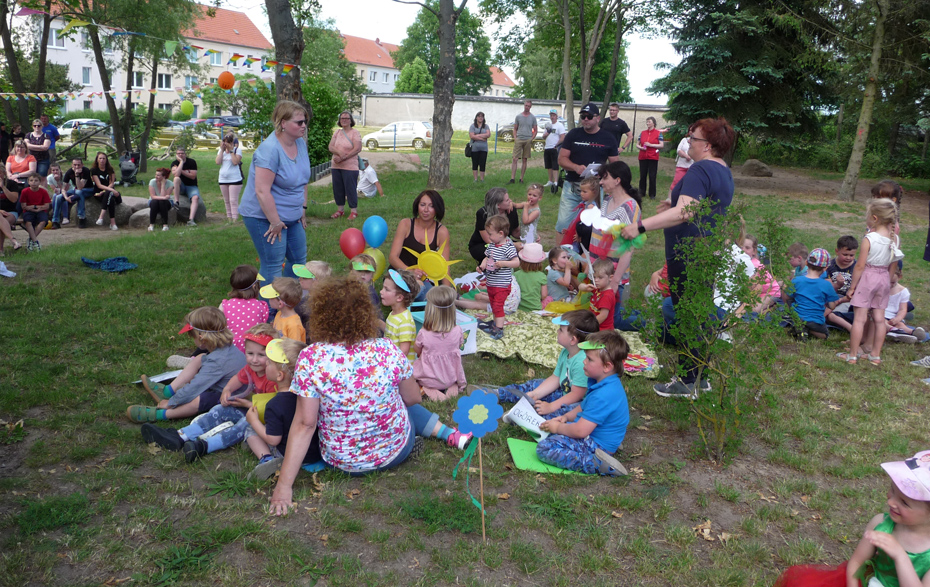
point(532, 338)
point(524, 457)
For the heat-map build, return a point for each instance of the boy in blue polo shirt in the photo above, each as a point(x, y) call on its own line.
point(568, 383)
point(585, 438)
point(813, 295)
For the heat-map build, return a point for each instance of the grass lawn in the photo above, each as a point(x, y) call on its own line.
point(85, 502)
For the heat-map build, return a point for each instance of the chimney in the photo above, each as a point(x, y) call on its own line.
point(377, 41)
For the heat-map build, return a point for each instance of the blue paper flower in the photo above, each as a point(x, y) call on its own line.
point(477, 413)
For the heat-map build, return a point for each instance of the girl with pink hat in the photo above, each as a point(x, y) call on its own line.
point(531, 278)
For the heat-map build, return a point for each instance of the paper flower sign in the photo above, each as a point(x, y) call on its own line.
point(478, 413)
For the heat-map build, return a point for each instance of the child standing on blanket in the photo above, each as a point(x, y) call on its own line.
point(559, 281)
point(243, 309)
point(251, 381)
point(498, 264)
point(895, 548)
point(438, 368)
point(585, 438)
point(603, 298)
point(398, 292)
point(529, 220)
point(199, 386)
point(568, 383)
point(284, 295)
point(531, 277)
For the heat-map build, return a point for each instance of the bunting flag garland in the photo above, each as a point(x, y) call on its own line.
point(196, 91)
point(250, 60)
point(209, 52)
point(71, 24)
point(234, 59)
point(170, 46)
point(286, 69)
point(28, 12)
point(268, 65)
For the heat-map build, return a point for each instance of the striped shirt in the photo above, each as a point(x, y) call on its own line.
point(505, 251)
point(400, 328)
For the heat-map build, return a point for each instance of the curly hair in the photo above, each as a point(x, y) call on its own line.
point(210, 324)
point(340, 312)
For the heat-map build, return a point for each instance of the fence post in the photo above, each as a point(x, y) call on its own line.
point(395, 138)
point(495, 138)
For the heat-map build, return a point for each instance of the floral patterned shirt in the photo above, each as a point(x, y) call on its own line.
point(363, 422)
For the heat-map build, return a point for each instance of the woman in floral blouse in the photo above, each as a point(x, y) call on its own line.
point(358, 388)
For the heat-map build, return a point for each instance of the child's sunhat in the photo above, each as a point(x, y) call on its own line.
point(187, 328)
point(302, 271)
point(258, 277)
point(359, 266)
point(262, 339)
point(560, 321)
point(268, 292)
point(819, 258)
point(591, 346)
point(533, 253)
point(275, 352)
point(912, 476)
point(398, 279)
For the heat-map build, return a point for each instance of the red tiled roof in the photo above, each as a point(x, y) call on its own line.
point(368, 52)
point(499, 78)
point(229, 27)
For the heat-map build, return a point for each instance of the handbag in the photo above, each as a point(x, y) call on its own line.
point(468, 150)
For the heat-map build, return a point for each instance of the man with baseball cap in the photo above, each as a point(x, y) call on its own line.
point(555, 134)
point(584, 149)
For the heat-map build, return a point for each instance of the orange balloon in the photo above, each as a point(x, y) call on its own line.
point(226, 80)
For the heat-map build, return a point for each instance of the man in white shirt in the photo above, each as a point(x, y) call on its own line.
point(555, 134)
point(368, 183)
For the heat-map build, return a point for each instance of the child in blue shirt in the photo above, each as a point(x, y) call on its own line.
point(812, 294)
point(568, 383)
point(585, 438)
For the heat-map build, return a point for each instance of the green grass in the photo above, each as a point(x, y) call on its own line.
point(85, 500)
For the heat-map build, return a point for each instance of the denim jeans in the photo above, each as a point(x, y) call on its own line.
point(573, 454)
point(82, 195)
point(216, 416)
point(60, 208)
point(191, 191)
point(506, 394)
point(291, 246)
point(422, 422)
point(571, 197)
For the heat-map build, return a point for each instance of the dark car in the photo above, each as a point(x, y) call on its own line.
point(505, 133)
point(220, 121)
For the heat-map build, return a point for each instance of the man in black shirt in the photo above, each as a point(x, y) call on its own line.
point(617, 126)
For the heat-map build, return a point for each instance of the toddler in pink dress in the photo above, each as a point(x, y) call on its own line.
point(438, 368)
point(244, 309)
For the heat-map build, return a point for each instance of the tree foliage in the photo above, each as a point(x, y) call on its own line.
point(414, 79)
point(472, 49)
point(324, 58)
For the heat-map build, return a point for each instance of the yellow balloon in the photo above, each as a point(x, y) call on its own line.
point(380, 261)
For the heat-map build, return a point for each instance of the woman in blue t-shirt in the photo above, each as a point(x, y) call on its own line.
point(708, 178)
point(275, 197)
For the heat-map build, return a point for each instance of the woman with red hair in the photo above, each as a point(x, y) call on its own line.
point(708, 178)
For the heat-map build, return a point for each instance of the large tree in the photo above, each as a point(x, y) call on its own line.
point(324, 58)
point(472, 48)
point(414, 79)
point(286, 19)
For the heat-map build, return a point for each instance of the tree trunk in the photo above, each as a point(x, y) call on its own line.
point(444, 96)
point(839, 124)
point(289, 48)
point(144, 139)
point(847, 192)
point(923, 153)
point(105, 82)
point(126, 122)
point(615, 55)
point(567, 65)
point(43, 56)
point(589, 54)
point(21, 114)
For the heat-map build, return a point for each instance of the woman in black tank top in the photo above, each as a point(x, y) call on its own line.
point(428, 210)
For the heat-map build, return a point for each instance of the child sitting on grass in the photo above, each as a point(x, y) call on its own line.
point(399, 290)
point(283, 295)
point(839, 274)
point(531, 277)
point(243, 309)
point(797, 258)
point(250, 382)
point(529, 219)
point(896, 311)
point(765, 285)
point(559, 284)
point(811, 296)
point(199, 386)
point(585, 438)
point(568, 383)
point(603, 299)
point(438, 368)
point(362, 267)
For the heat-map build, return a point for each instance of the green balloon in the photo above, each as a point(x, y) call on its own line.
point(187, 107)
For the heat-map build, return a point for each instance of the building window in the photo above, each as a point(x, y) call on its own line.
point(216, 58)
point(164, 81)
point(361, 74)
point(85, 76)
point(164, 106)
point(386, 77)
point(248, 65)
point(396, 77)
point(88, 104)
point(189, 81)
point(213, 80)
point(373, 76)
point(138, 79)
point(191, 54)
point(54, 40)
point(85, 42)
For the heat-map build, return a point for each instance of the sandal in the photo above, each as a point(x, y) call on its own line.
point(337, 214)
point(17, 245)
point(353, 215)
point(142, 414)
point(607, 465)
point(850, 360)
point(877, 361)
point(156, 390)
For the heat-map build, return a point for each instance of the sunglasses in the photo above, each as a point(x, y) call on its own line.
point(36, 126)
point(300, 122)
point(586, 116)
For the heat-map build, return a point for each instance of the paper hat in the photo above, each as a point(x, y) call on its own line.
point(262, 339)
point(559, 321)
point(591, 346)
point(398, 279)
point(187, 328)
point(819, 258)
point(912, 476)
point(532, 253)
point(359, 266)
point(268, 292)
point(591, 108)
point(302, 271)
point(275, 352)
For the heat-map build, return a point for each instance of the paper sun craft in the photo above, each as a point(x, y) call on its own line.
point(432, 263)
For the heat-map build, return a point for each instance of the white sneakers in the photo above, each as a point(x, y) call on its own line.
point(99, 222)
point(164, 228)
point(151, 228)
point(113, 227)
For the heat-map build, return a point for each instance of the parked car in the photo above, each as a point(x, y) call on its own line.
point(418, 135)
point(505, 133)
point(221, 121)
point(68, 126)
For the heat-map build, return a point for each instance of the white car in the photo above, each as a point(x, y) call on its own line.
point(65, 129)
point(418, 135)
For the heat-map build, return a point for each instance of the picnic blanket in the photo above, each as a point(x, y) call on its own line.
point(524, 457)
point(111, 265)
point(531, 337)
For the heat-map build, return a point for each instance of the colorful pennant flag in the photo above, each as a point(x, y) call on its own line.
point(71, 24)
point(234, 58)
point(268, 65)
point(170, 46)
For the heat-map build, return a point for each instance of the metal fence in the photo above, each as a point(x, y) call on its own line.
point(320, 171)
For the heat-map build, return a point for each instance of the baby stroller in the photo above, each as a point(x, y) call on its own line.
point(129, 167)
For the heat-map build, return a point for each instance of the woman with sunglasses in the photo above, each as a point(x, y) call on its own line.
point(345, 146)
point(708, 178)
point(274, 199)
point(38, 144)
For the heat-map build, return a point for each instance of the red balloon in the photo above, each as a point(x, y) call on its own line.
point(226, 80)
point(352, 242)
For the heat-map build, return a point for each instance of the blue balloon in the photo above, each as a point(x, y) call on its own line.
point(375, 230)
